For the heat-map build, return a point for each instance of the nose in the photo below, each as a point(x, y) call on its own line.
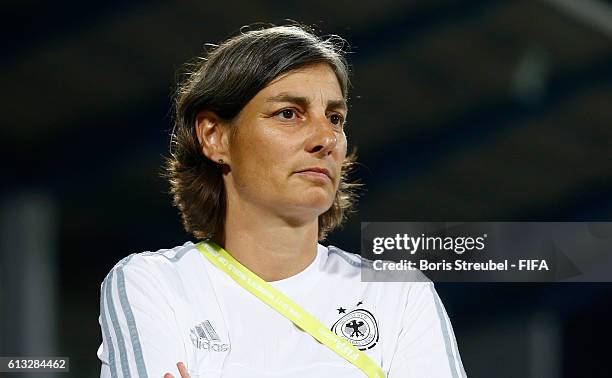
point(322, 140)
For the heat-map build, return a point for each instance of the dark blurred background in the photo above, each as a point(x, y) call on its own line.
point(461, 110)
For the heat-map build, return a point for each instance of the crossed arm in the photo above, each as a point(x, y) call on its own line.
point(140, 335)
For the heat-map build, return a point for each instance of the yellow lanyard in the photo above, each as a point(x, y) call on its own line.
point(286, 307)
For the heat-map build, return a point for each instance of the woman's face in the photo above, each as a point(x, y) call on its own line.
point(289, 145)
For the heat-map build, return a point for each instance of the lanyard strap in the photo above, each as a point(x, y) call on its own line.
point(286, 307)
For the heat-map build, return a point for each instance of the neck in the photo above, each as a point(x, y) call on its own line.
point(271, 247)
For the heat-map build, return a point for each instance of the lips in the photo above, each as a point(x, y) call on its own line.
point(317, 170)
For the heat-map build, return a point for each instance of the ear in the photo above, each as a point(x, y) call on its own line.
point(212, 134)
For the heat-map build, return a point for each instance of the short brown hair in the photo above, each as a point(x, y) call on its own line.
point(224, 81)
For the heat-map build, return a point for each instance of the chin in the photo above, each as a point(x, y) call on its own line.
point(311, 205)
point(316, 199)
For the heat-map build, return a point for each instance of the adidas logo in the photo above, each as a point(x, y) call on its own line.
point(204, 336)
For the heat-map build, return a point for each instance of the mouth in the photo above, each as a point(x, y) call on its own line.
point(316, 172)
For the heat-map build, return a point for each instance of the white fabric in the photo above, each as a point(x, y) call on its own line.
point(152, 302)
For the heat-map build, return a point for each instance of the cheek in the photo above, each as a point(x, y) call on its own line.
point(342, 147)
point(259, 160)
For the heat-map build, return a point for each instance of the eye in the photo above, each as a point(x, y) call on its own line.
point(287, 114)
point(336, 119)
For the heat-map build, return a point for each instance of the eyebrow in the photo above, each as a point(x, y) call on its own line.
point(304, 101)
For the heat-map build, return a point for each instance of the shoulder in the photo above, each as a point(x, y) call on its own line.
point(355, 264)
point(152, 267)
point(344, 259)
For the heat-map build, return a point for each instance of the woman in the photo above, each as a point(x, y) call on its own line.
point(258, 164)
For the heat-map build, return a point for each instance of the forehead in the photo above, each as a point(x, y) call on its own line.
point(314, 80)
